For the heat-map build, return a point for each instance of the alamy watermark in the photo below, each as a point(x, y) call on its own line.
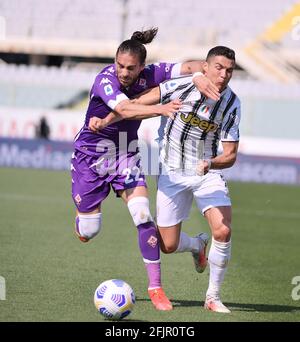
point(124, 157)
point(2, 288)
point(296, 290)
point(2, 28)
point(296, 28)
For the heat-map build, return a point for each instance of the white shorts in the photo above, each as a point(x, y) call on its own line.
point(175, 195)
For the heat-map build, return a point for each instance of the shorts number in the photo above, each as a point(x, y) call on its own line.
point(129, 177)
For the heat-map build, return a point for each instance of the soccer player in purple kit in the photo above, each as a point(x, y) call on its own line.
point(103, 159)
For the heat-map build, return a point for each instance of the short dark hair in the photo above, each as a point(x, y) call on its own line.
point(221, 51)
point(135, 44)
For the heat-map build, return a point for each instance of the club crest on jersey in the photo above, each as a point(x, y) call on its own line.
point(142, 82)
point(195, 121)
point(108, 90)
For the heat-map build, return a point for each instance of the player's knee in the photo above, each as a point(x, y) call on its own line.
point(139, 210)
point(89, 225)
point(168, 246)
point(168, 249)
point(222, 233)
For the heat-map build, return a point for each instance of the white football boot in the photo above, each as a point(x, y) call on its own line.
point(215, 304)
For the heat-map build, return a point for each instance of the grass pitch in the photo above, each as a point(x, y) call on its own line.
point(51, 276)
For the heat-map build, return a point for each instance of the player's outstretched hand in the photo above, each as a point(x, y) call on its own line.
point(170, 108)
point(206, 87)
point(96, 124)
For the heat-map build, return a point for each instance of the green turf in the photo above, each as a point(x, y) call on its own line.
point(51, 276)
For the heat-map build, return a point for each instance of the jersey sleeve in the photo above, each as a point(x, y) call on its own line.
point(165, 71)
point(175, 71)
point(170, 89)
point(107, 87)
point(230, 124)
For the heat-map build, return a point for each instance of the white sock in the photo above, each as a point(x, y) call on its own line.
point(218, 258)
point(187, 244)
point(89, 225)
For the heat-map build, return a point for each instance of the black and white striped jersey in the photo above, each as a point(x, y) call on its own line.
point(200, 124)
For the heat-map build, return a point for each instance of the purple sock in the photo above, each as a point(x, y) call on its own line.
point(149, 247)
point(148, 241)
point(153, 271)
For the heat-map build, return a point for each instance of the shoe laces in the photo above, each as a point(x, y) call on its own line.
point(159, 293)
point(213, 298)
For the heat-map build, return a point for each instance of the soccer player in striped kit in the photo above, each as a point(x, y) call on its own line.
point(106, 159)
point(192, 168)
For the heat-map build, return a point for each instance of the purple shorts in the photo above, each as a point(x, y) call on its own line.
point(93, 176)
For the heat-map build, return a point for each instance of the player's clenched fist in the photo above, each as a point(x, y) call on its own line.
point(96, 124)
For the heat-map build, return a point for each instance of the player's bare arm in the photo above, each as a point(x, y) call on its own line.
point(191, 67)
point(145, 105)
point(222, 161)
point(149, 97)
point(203, 84)
point(137, 109)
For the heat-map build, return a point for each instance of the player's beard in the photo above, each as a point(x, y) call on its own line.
point(125, 83)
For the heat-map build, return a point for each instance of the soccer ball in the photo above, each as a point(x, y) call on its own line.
point(114, 299)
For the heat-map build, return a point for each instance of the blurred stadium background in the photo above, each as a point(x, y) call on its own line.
point(51, 51)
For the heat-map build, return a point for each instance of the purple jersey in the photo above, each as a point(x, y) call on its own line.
point(106, 93)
